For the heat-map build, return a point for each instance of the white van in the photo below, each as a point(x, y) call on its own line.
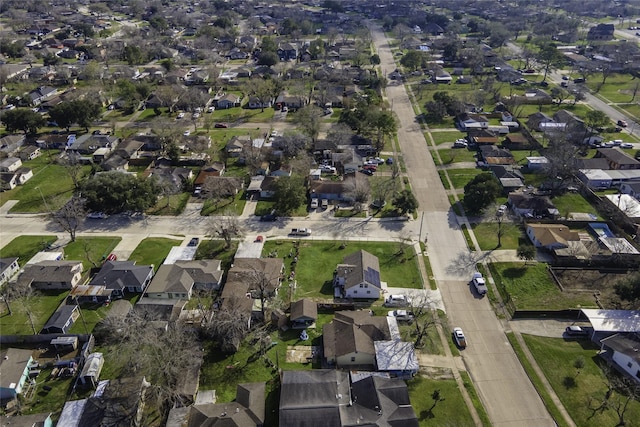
point(314, 203)
point(325, 203)
point(397, 301)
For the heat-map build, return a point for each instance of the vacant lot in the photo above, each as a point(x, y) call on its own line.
point(25, 247)
point(452, 410)
point(580, 390)
point(153, 251)
point(588, 282)
point(531, 287)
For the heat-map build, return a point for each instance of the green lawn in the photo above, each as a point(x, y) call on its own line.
point(451, 411)
point(53, 400)
point(234, 204)
point(556, 357)
point(618, 87)
point(454, 155)
point(487, 235)
point(531, 287)
point(92, 251)
point(214, 249)
point(460, 177)
point(573, 202)
point(170, 205)
point(446, 137)
point(25, 247)
point(318, 260)
point(41, 305)
point(50, 187)
point(537, 382)
point(153, 251)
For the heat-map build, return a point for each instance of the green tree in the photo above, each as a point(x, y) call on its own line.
point(316, 48)
point(595, 119)
point(268, 58)
point(134, 55)
point(383, 124)
point(263, 89)
point(80, 111)
point(22, 119)
point(628, 290)
point(550, 58)
point(309, 118)
point(481, 192)
point(526, 252)
point(375, 59)
point(289, 194)
point(412, 60)
point(269, 45)
point(114, 192)
point(405, 202)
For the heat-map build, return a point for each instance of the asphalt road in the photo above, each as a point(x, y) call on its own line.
point(506, 392)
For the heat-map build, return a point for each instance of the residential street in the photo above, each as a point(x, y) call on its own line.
point(506, 392)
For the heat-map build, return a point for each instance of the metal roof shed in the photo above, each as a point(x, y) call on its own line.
point(613, 320)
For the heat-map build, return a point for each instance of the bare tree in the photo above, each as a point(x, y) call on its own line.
point(425, 317)
point(225, 227)
point(230, 325)
point(358, 192)
point(216, 188)
point(69, 216)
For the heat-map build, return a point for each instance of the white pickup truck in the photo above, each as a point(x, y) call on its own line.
point(479, 282)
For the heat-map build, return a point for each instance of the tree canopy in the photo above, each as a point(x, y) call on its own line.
point(80, 111)
point(481, 192)
point(289, 194)
point(114, 192)
point(22, 119)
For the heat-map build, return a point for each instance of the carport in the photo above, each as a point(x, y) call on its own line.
point(609, 322)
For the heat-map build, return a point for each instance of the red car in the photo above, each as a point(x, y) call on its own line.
point(221, 125)
point(370, 167)
point(112, 257)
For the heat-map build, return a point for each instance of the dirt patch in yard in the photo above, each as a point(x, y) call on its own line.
point(598, 282)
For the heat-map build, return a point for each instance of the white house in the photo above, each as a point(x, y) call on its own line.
point(624, 351)
point(358, 276)
point(631, 188)
point(595, 178)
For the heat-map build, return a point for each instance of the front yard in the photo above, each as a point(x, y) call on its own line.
point(153, 251)
point(25, 247)
point(317, 261)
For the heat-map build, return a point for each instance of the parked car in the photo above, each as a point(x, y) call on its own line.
point(389, 160)
point(626, 145)
point(300, 232)
point(397, 301)
point(576, 331)
point(186, 133)
point(327, 169)
point(193, 242)
point(285, 109)
point(367, 171)
point(221, 125)
point(314, 203)
point(401, 315)
point(97, 215)
point(180, 116)
point(579, 80)
point(479, 283)
point(460, 144)
point(370, 167)
point(458, 335)
point(211, 109)
point(112, 257)
point(622, 123)
point(324, 203)
point(501, 210)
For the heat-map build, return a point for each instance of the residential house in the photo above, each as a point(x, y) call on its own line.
point(397, 358)
point(304, 313)
point(623, 350)
point(218, 186)
point(228, 100)
point(14, 71)
point(601, 32)
point(215, 169)
point(247, 410)
point(236, 53)
point(510, 177)
point(10, 164)
point(494, 155)
point(46, 275)
point(171, 177)
point(9, 180)
point(287, 51)
point(87, 144)
point(433, 29)
point(178, 280)
point(482, 137)
point(442, 76)
point(256, 103)
point(575, 126)
point(90, 374)
point(94, 294)
point(237, 144)
point(516, 141)
point(41, 94)
point(537, 163)
point(31, 420)
point(630, 188)
point(617, 158)
point(289, 101)
point(596, 179)
point(29, 152)
point(123, 276)
point(8, 268)
point(348, 340)
point(551, 236)
point(283, 170)
point(121, 403)
point(358, 276)
point(15, 364)
point(323, 397)
point(62, 320)
point(267, 187)
point(10, 144)
point(530, 206)
point(249, 281)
